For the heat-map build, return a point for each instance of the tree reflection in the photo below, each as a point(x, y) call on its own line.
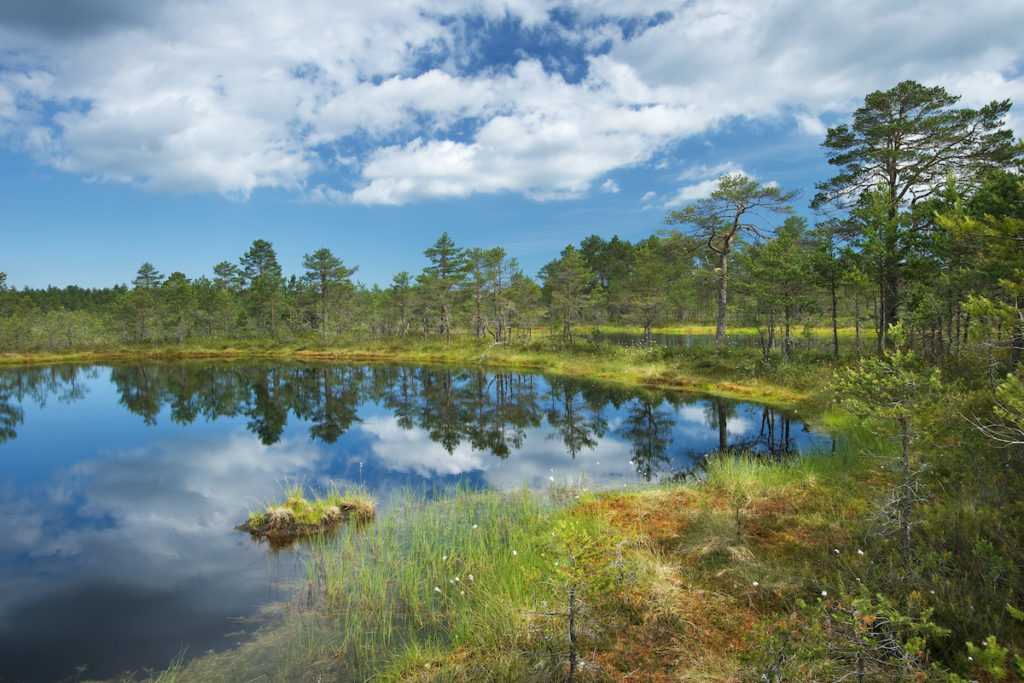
point(489, 412)
point(771, 441)
point(267, 412)
point(37, 384)
point(328, 397)
point(577, 420)
point(11, 415)
point(649, 429)
point(142, 390)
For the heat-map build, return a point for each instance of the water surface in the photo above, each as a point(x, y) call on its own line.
point(121, 485)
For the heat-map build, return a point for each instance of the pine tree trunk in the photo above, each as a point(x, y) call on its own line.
point(835, 325)
point(723, 295)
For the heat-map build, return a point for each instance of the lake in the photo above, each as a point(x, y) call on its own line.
point(121, 485)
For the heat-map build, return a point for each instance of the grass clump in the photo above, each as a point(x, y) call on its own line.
point(281, 524)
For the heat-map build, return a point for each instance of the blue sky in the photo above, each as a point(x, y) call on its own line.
point(177, 132)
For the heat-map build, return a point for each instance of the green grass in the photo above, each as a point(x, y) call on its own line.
point(297, 516)
point(427, 579)
point(474, 585)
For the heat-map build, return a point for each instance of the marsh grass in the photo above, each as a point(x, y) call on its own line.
point(432, 583)
point(299, 516)
point(438, 575)
point(470, 585)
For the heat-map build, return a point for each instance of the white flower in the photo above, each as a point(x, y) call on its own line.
point(456, 578)
point(859, 551)
point(461, 593)
point(514, 553)
point(470, 577)
point(835, 550)
point(444, 558)
point(969, 658)
point(824, 594)
point(451, 581)
point(437, 589)
point(756, 584)
point(474, 526)
point(551, 478)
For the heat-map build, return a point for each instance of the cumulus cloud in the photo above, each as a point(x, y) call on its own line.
point(708, 182)
point(811, 126)
point(393, 102)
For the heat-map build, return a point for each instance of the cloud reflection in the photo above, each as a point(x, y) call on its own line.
point(411, 450)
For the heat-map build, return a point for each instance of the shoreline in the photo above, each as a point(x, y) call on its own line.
point(635, 367)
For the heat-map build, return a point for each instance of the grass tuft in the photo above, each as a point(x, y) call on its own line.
point(300, 517)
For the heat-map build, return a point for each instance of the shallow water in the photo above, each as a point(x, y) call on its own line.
point(121, 485)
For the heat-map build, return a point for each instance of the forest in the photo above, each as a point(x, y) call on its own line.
point(901, 310)
point(921, 224)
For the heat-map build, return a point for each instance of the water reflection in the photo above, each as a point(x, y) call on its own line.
point(490, 411)
point(121, 485)
point(65, 383)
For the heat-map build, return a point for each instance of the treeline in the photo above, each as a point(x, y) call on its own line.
point(923, 224)
point(797, 277)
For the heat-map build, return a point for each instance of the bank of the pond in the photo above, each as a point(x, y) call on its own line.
point(722, 372)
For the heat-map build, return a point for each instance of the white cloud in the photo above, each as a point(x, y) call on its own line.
point(610, 186)
point(542, 456)
point(703, 188)
point(375, 103)
point(811, 126)
point(161, 514)
point(703, 171)
point(412, 450)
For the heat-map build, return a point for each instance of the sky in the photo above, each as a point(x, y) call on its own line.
point(177, 132)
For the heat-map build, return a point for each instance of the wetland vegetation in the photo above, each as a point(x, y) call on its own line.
point(891, 552)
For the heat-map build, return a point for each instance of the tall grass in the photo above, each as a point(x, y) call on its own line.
point(462, 572)
point(434, 576)
point(475, 585)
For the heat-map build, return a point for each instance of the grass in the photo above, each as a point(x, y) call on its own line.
point(662, 583)
point(281, 523)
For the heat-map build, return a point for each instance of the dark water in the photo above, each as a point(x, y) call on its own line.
point(120, 486)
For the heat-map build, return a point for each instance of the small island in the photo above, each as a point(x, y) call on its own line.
point(281, 524)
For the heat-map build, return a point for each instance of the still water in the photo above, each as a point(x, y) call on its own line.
point(120, 486)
